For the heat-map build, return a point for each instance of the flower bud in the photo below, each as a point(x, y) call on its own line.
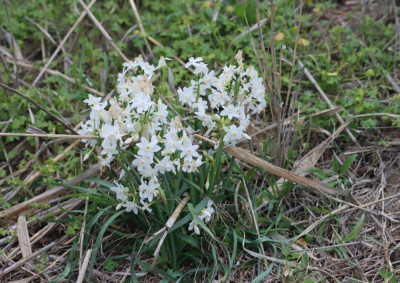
point(86, 157)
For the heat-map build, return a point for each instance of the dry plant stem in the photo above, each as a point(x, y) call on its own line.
point(82, 233)
point(254, 220)
point(48, 195)
point(24, 260)
point(390, 79)
point(277, 90)
point(137, 16)
point(53, 136)
point(49, 37)
point(103, 31)
point(57, 73)
point(324, 96)
point(381, 213)
point(294, 53)
point(60, 46)
point(266, 69)
point(253, 27)
point(330, 247)
point(170, 222)
point(85, 264)
point(293, 246)
point(38, 106)
point(3, 258)
point(246, 156)
point(327, 112)
point(14, 45)
point(23, 237)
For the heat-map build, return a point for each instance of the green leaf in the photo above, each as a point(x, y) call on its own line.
point(318, 172)
point(304, 261)
point(347, 163)
point(356, 230)
point(388, 276)
point(99, 241)
point(335, 165)
point(309, 280)
point(260, 277)
point(110, 265)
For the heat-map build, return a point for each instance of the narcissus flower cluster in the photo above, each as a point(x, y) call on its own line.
point(138, 119)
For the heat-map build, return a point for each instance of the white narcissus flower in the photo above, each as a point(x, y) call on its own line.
point(148, 172)
point(88, 130)
point(231, 111)
point(233, 134)
point(195, 164)
point(131, 206)
point(120, 191)
point(189, 150)
point(239, 57)
point(146, 206)
point(141, 162)
point(109, 148)
point(148, 148)
point(149, 190)
point(201, 68)
point(187, 96)
point(205, 119)
point(206, 213)
point(218, 98)
point(162, 113)
point(162, 62)
point(172, 141)
point(194, 226)
point(201, 105)
point(142, 103)
point(193, 62)
point(92, 101)
point(166, 165)
point(111, 132)
point(105, 161)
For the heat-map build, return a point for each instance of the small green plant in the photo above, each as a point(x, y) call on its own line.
point(388, 276)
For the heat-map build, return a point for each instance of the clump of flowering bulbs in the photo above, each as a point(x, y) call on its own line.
point(138, 118)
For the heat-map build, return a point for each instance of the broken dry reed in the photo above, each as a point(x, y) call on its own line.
point(23, 237)
point(85, 264)
point(249, 158)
